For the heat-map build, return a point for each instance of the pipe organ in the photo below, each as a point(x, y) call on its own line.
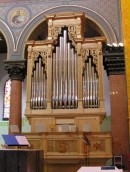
point(64, 79)
point(65, 93)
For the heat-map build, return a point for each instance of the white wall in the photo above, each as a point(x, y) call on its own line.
point(3, 79)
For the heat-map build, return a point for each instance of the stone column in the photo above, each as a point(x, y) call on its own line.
point(115, 66)
point(17, 72)
point(119, 114)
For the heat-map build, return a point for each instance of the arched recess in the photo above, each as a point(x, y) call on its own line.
point(94, 17)
point(7, 38)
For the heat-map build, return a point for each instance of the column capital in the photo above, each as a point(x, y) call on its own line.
point(16, 69)
point(113, 60)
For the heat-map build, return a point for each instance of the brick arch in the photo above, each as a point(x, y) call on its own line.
point(9, 38)
point(92, 15)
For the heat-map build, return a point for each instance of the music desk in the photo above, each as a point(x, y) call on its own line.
point(21, 160)
point(99, 169)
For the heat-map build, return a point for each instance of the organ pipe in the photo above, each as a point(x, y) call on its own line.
point(65, 75)
point(90, 85)
point(38, 86)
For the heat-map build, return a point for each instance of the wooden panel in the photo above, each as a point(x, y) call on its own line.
point(88, 124)
point(21, 161)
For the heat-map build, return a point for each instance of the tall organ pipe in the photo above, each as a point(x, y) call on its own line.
point(69, 76)
point(75, 80)
point(90, 86)
point(38, 86)
point(65, 70)
point(57, 76)
point(65, 75)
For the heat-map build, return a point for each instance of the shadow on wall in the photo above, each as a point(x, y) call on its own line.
point(106, 124)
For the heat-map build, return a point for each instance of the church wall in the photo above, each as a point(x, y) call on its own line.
point(99, 11)
point(104, 8)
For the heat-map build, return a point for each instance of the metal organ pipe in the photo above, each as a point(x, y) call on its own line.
point(65, 70)
point(90, 85)
point(65, 75)
point(38, 86)
point(64, 79)
point(69, 76)
point(75, 80)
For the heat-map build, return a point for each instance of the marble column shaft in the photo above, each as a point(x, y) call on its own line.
point(17, 72)
point(119, 116)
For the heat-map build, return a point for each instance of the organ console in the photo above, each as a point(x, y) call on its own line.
point(65, 88)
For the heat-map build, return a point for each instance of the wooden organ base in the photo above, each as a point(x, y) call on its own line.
point(67, 151)
point(70, 139)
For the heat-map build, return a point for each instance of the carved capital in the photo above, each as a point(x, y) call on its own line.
point(16, 69)
point(93, 52)
point(113, 60)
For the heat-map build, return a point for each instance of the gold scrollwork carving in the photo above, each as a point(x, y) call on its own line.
point(34, 56)
point(97, 146)
point(72, 33)
point(85, 54)
point(94, 54)
point(62, 147)
point(44, 58)
point(55, 31)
